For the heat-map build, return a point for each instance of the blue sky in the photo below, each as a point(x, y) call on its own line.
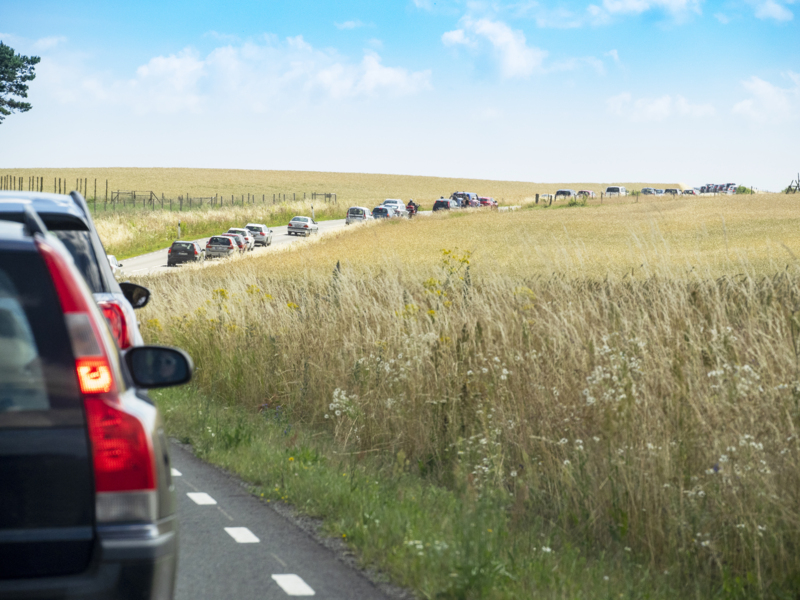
point(687, 91)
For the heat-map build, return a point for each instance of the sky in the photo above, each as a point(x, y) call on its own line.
point(684, 91)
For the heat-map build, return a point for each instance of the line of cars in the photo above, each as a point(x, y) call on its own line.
point(464, 200)
point(88, 502)
point(237, 240)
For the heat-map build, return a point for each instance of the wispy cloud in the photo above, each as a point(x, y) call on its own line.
point(349, 25)
point(515, 57)
point(656, 109)
point(773, 9)
point(768, 102)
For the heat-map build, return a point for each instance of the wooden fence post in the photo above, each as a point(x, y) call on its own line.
point(106, 190)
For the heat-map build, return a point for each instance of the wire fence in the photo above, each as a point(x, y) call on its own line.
point(130, 200)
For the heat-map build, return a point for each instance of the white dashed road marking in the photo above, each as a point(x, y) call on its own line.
point(243, 535)
point(201, 498)
point(293, 585)
point(176, 473)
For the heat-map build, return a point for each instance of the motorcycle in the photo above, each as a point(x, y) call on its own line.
point(412, 210)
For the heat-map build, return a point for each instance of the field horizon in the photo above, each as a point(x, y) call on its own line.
point(350, 187)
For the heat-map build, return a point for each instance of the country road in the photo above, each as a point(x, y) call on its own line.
point(233, 545)
point(156, 262)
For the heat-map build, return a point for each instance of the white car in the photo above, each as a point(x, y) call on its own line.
point(358, 214)
point(262, 234)
point(571, 194)
point(616, 190)
point(397, 205)
point(250, 241)
point(302, 226)
point(115, 264)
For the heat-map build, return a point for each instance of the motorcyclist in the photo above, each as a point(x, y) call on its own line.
point(412, 207)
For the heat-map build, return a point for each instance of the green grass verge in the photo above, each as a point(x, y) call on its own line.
point(438, 542)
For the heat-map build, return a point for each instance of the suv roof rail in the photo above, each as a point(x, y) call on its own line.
point(33, 224)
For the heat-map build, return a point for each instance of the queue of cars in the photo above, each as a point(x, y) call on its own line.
point(85, 477)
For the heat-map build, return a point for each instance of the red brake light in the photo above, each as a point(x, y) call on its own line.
point(169, 250)
point(116, 319)
point(195, 251)
point(122, 455)
point(94, 375)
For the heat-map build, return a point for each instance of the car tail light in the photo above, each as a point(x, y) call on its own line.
point(195, 251)
point(118, 323)
point(306, 226)
point(208, 245)
point(122, 452)
point(169, 250)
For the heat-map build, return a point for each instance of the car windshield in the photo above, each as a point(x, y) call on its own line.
point(80, 247)
point(612, 189)
point(356, 211)
point(254, 229)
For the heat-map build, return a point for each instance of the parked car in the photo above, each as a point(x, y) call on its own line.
point(302, 226)
point(616, 190)
point(115, 264)
point(249, 240)
point(262, 235)
point(569, 194)
point(357, 214)
point(221, 246)
point(648, 191)
point(586, 193)
point(383, 212)
point(181, 252)
point(673, 191)
point(690, 192)
point(445, 204)
point(659, 192)
point(238, 240)
point(486, 201)
point(88, 504)
point(68, 218)
point(397, 205)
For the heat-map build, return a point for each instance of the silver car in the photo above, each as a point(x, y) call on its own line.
point(302, 226)
point(249, 240)
point(397, 205)
point(220, 246)
point(261, 233)
point(357, 214)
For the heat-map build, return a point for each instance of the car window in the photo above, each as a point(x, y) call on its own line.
point(80, 247)
point(183, 245)
point(301, 219)
point(36, 365)
point(224, 241)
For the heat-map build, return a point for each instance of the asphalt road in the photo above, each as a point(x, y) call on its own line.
point(156, 262)
point(233, 545)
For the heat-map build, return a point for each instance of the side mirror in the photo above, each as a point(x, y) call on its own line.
point(158, 366)
point(119, 265)
point(137, 295)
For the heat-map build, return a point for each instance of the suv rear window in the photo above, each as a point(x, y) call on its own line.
point(79, 245)
point(183, 245)
point(220, 241)
point(37, 370)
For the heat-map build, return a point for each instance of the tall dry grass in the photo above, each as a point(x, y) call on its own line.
point(654, 413)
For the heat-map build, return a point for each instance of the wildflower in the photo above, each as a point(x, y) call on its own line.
point(513, 473)
point(627, 549)
point(605, 577)
point(484, 370)
point(567, 463)
point(546, 549)
point(291, 459)
point(469, 372)
point(595, 438)
point(563, 441)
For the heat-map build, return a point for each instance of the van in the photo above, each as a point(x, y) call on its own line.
point(616, 190)
point(357, 214)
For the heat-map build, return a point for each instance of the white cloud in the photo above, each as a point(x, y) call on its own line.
point(722, 18)
point(516, 58)
point(349, 25)
point(770, 9)
point(768, 102)
point(455, 38)
point(656, 109)
point(678, 9)
point(614, 55)
point(423, 4)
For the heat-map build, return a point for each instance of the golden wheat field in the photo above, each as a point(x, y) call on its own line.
point(711, 235)
point(626, 374)
point(351, 188)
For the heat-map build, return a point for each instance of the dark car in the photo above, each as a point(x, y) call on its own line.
point(68, 219)
point(445, 204)
point(88, 504)
point(382, 212)
point(181, 252)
